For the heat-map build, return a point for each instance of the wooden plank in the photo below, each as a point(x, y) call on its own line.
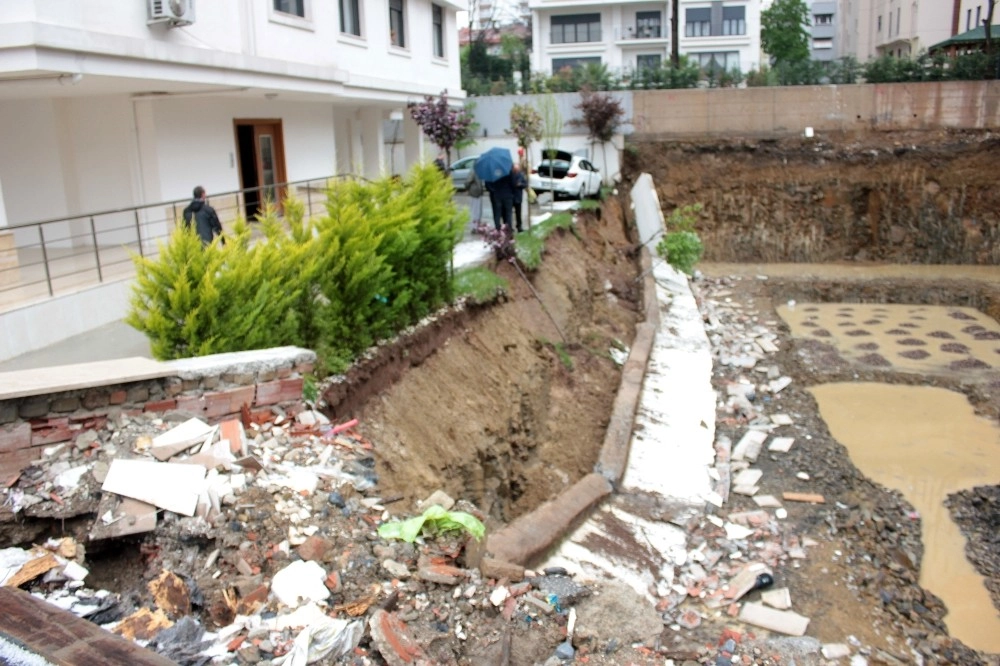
point(64, 639)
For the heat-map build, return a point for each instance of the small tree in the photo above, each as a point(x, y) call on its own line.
point(783, 34)
point(551, 134)
point(444, 125)
point(525, 126)
point(602, 116)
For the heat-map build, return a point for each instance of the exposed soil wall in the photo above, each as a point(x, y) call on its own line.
point(923, 198)
point(512, 407)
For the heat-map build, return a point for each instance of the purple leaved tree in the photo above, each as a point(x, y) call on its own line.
point(444, 125)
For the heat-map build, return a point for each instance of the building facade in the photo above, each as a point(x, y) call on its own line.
point(627, 36)
point(110, 104)
point(905, 28)
point(823, 30)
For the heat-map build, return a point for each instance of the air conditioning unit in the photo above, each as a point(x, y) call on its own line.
point(172, 12)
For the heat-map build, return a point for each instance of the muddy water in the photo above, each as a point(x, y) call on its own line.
point(927, 443)
point(911, 338)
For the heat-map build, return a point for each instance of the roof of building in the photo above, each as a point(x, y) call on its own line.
point(968, 38)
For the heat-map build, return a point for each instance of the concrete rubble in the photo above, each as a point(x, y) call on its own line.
point(259, 544)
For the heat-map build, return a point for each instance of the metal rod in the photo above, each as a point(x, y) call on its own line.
point(138, 233)
point(45, 259)
point(97, 250)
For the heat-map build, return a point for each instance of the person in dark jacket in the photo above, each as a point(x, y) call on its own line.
point(502, 199)
point(520, 184)
point(205, 218)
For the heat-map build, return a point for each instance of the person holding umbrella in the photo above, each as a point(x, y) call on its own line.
point(493, 167)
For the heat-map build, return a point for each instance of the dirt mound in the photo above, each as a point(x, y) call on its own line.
point(926, 197)
point(512, 406)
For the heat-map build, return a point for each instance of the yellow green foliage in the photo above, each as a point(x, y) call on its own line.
point(377, 260)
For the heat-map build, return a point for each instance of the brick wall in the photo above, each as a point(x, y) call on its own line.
point(211, 388)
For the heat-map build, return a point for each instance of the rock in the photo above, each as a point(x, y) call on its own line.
point(835, 650)
point(779, 598)
point(443, 574)
point(565, 651)
point(440, 498)
point(393, 640)
point(566, 590)
point(618, 612)
point(396, 569)
point(500, 570)
point(313, 548)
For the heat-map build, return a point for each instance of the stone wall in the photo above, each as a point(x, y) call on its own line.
point(213, 388)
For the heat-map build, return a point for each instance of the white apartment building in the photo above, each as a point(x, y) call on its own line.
point(822, 30)
point(629, 35)
point(970, 14)
point(904, 28)
point(117, 103)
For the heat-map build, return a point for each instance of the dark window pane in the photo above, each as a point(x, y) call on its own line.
point(397, 32)
point(296, 7)
point(350, 19)
point(437, 21)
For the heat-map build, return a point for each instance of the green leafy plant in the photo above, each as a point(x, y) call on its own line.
point(560, 349)
point(681, 246)
point(310, 389)
point(433, 521)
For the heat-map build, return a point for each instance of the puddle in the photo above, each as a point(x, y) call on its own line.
point(939, 340)
point(927, 443)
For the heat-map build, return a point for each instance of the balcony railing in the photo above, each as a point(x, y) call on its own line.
point(627, 32)
point(54, 257)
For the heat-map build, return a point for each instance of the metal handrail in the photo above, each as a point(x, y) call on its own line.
point(65, 254)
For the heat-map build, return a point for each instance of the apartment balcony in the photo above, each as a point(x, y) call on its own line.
point(644, 35)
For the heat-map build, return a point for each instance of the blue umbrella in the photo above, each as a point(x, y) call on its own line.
point(494, 164)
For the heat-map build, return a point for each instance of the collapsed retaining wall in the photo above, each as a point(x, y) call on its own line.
point(39, 408)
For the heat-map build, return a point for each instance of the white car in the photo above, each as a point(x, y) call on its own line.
point(566, 174)
point(461, 170)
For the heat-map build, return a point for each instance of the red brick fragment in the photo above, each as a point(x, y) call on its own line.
point(161, 405)
point(283, 390)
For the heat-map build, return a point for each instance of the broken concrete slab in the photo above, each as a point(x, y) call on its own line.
point(180, 438)
point(811, 498)
point(781, 621)
point(120, 516)
point(169, 486)
point(767, 501)
point(779, 598)
point(749, 446)
point(781, 444)
point(748, 477)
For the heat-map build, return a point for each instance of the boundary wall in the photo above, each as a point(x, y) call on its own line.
point(777, 111)
point(41, 408)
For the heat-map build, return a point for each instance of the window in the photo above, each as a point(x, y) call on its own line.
point(968, 19)
point(648, 62)
point(573, 28)
point(572, 63)
point(979, 15)
point(723, 61)
point(880, 23)
point(648, 25)
point(823, 19)
point(294, 7)
point(437, 30)
point(698, 22)
point(898, 22)
point(823, 43)
point(397, 23)
point(734, 21)
point(350, 17)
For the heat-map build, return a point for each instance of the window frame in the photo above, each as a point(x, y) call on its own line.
point(651, 20)
point(643, 57)
point(560, 23)
point(437, 31)
point(358, 6)
point(397, 34)
point(734, 27)
point(276, 15)
point(702, 27)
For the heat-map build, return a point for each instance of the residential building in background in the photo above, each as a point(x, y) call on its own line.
point(854, 30)
point(627, 36)
point(111, 105)
point(721, 35)
point(905, 28)
point(823, 30)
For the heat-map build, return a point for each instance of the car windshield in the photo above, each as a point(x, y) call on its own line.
point(554, 164)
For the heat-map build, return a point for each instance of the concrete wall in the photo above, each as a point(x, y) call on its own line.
point(783, 111)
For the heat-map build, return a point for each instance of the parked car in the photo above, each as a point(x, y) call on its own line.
point(461, 170)
point(571, 175)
